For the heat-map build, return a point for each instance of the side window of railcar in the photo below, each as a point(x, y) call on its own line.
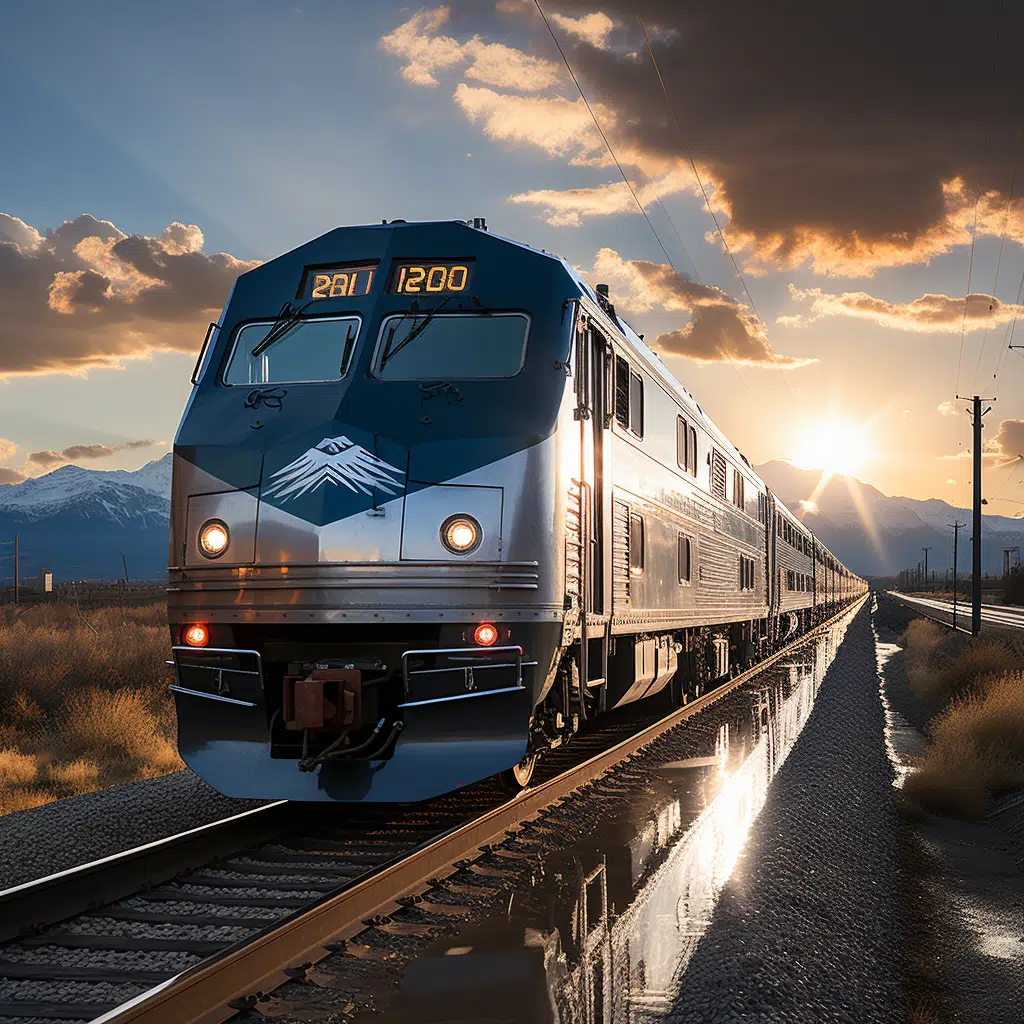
point(686, 446)
point(684, 558)
point(636, 544)
point(629, 397)
point(636, 404)
point(622, 391)
point(746, 573)
point(718, 474)
point(737, 488)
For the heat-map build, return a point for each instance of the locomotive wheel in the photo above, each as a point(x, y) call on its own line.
point(518, 776)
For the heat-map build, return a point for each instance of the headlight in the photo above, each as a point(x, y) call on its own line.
point(213, 538)
point(461, 534)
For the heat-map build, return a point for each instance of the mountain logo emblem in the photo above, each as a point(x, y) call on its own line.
point(335, 460)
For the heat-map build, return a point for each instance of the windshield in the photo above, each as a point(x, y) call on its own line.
point(453, 346)
point(309, 351)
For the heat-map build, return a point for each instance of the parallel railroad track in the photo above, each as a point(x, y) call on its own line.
point(191, 928)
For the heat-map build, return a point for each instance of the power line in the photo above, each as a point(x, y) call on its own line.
point(629, 184)
point(977, 197)
point(999, 263)
point(700, 182)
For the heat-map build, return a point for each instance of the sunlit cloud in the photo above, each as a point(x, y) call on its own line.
point(426, 53)
point(928, 313)
point(593, 28)
point(87, 294)
point(948, 408)
point(720, 328)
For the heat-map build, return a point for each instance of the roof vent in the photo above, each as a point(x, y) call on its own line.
point(480, 223)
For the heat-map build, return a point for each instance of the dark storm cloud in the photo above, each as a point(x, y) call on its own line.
point(852, 134)
point(86, 294)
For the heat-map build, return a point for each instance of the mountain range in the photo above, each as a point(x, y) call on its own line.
point(78, 523)
point(877, 534)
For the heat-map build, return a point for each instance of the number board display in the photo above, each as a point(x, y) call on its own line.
point(338, 282)
point(423, 277)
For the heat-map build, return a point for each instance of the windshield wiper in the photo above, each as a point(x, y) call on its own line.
point(285, 321)
point(413, 334)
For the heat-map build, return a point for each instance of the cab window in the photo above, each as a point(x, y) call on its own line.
point(309, 351)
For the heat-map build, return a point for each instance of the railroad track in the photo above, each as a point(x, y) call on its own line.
point(200, 926)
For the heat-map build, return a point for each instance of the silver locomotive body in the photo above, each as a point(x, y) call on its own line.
point(342, 642)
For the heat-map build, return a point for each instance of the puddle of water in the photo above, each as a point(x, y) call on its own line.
point(903, 743)
point(603, 931)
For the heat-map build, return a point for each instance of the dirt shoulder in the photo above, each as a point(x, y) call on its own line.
point(965, 887)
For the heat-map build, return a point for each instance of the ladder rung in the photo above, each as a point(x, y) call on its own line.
point(591, 683)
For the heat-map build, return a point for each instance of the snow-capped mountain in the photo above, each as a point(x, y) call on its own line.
point(122, 494)
point(79, 522)
point(878, 534)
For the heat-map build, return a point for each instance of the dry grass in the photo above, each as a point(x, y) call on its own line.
point(83, 701)
point(976, 739)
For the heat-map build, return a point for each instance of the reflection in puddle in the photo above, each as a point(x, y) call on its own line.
point(903, 743)
point(606, 928)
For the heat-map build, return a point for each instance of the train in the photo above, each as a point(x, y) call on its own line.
point(436, 508)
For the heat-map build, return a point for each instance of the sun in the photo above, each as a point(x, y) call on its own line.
point(834, 447)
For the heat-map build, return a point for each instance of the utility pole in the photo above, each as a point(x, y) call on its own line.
point(957, 527)
point(16, 580)
point(976, 421)
point(926, 550)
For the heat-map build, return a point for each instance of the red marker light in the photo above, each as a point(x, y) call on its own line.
point(485, 634)
point(197, 636)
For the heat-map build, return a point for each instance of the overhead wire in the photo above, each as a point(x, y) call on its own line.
point(999, 263)
point(977, 197)
point(699, 180)
point(628, 183)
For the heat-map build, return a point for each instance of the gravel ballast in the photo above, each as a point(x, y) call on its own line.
point(811, 925)
point(66, 833)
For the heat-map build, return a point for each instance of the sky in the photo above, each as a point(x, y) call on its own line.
point(832, 245)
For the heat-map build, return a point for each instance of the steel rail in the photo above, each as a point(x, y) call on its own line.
point(201, 994)
point(929, 612)
point(64, 894)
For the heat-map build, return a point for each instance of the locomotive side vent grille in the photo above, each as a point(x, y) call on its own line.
point(573, 543)
point(620, 557)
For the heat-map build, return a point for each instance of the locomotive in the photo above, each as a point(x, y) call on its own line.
point(435, 506)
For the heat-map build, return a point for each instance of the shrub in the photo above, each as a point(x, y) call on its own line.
point(83, 700)
point(976, 749)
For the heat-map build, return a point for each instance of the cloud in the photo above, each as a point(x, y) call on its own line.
point(568, 207)
point(720, 329)
point(48, 459)
point(928, 313)
point(10, 476)
point(559, 126)
point(7, 449)
point(88, 295)
point(495, 64)
point(948, 408)
point(822, 141)
point(1007, 444)
point(593, 28)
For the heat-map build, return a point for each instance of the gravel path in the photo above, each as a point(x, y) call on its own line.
point(66, 833)
point(810, 926)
